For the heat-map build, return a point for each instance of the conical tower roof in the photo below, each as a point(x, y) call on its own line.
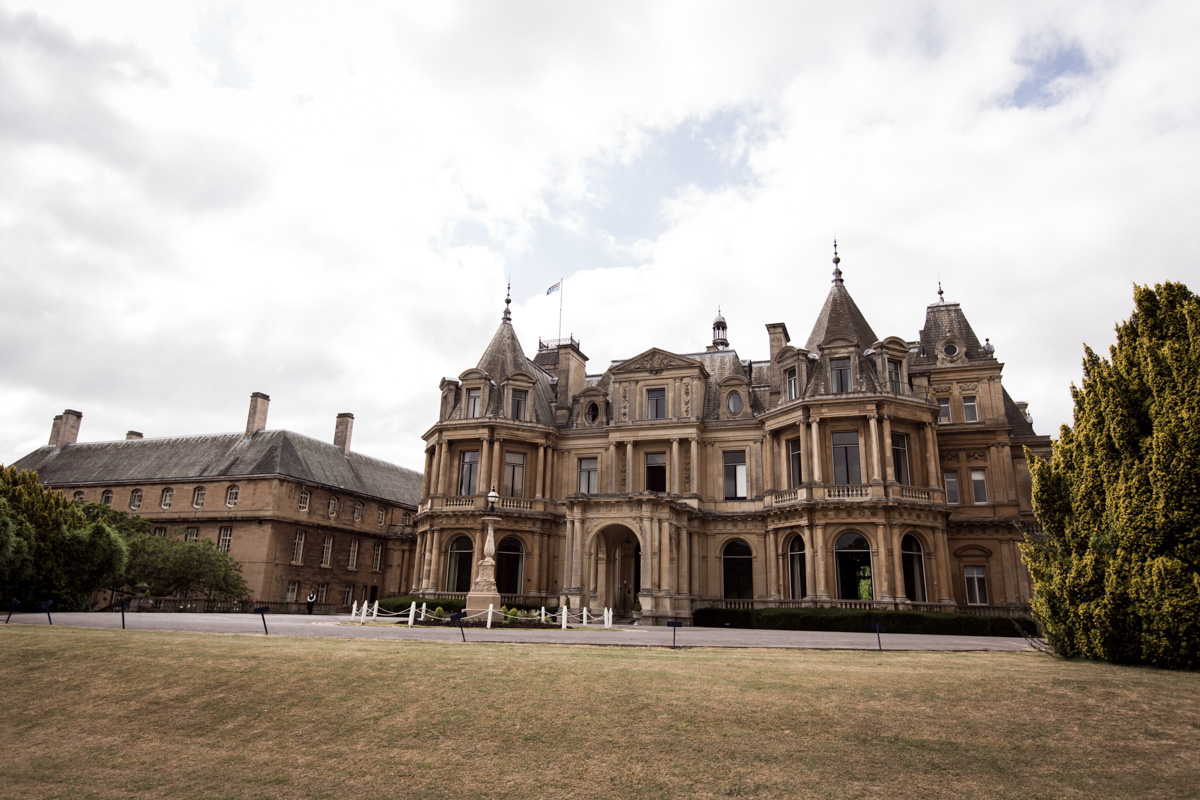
point(839, 317)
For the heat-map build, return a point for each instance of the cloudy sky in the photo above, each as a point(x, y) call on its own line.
point(324, 202)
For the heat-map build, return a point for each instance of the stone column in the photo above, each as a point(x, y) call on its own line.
point(888, 462)
point(819, 556)
point(568, 544)
point(883, 563)
point(629, 467)
point(873, 432)
point(497, 464)
point(772, 559)
point(538, 494)
point(483, 482)
point(784, 462)
point(647, 547)
point(577, 555)
point(552, 468)
point(816, 449)
point(427, 478)
point(612, 468)
point(931, 457)
point(768, 447)
point(676, 467)
point(901, 592)
point(447, 485)
point(810, 563)
point(684, 583)
point(694, 483)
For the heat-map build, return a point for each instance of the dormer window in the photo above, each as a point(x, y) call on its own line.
point(950, 349)
point(839, 375)
point(791, 384)
point(473, 398)
point(734, 403)
point(894, 375)
point(519, 400)
point(656, 403)
point(592, 413)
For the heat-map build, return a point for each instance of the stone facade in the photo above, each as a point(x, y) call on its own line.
point(297, 514)
point(853, 471)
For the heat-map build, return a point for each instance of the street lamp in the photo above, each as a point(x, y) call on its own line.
point(492, 497)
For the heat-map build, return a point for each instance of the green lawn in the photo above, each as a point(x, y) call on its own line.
point(120, 714)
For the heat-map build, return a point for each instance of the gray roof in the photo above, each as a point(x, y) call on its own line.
point(504, 357)
point(227, 455)
point(942, 321)
point(840, 319)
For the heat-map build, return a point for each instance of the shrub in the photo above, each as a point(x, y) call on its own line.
point(860, 621)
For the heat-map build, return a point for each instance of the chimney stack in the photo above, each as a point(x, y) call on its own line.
point(342, 431)
point(132, 435)
point(257, 419)
point(65, 429)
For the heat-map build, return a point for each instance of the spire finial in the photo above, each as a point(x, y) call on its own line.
point(507, 300)
point(941, 299)
point(837, 271)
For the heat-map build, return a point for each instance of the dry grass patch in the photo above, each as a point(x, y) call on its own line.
point(106, 714)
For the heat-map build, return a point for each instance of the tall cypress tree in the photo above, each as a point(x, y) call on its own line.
point(1117, 574)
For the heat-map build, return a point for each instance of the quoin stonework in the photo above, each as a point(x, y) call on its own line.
point(854, 471)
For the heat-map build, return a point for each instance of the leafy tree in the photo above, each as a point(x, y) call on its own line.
point(1117, 576)
point(53, 552)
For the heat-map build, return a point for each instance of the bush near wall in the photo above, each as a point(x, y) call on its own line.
point(856, 621)
point(396, 604)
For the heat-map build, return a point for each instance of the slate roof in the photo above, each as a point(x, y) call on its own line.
point(1020, 425)
point(227, 455)
point(502, 358)
point(946, 320)
point(840, 319)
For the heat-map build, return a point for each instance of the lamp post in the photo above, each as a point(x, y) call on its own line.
point(483, 592)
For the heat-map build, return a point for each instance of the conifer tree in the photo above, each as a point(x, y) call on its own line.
point(1117, 574)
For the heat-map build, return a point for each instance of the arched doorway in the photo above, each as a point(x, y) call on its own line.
point(913, 557)
point(853, 567)
point(796, 576)
point(510, 566)
point(459, 558)
point(618, 569)
point(737, 570)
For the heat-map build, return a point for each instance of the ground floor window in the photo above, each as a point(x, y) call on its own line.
point(853, 567)
point(322, 592)
point(347, 595)
point(292, 590)
point(510, 558)
point(977, 592)
point(737, 567)
point(796, 575)
point(913, 558)
point(458, 565)
point(225, 539)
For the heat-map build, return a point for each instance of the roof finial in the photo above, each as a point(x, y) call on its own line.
point(837, 271)
point(507, 300)
point(940, 298)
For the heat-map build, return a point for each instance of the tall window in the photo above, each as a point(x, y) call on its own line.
point(656, 472)
point(735, 475)
point(979, 486)
point(347, 595)
point(839, 374)
point(795, 463)
point(305, 495)
point(327, 551)
point(845, 458)
point(333, 506)
point(900, 458)
point(913, 557)
point(656, 404)
point(737, 564)
point(358, 512)
point(376, 556)
point(894, 375)
point(168, 495)
point(952, 495)
point(352, 561)
point(514, 474)
point(135, 499)
point(293, 591)
point(192, 535)
point(977, 593)
point(510, 557)
point(380, 515)
point(198, 497)
point(970, 410)
point(160, 530)
point(791, 384)
point(473, 397)
point(298, 548)
point(231, 496)
point(944, 410)
point(797, 581)
point(106, 497)
point(519, 398)
point(588, 471)
point(224, 539)
point(322, 592)
point(853, 563)
point(468, 471)
point(458, 565)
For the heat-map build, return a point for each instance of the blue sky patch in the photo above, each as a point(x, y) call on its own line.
point(1045, 66)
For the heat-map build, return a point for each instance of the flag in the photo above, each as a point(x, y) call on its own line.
point(554, 288)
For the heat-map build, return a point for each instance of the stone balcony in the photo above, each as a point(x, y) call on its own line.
point(853, 492)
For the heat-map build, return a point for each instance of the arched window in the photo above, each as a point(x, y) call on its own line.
point(796, 568)
point(737, 567)
point(853, 555)
point(135, 499)
point(333, 506)
point(106, 497)
point(168, 495)
point(79, 497)
point(510, 562)
point(458, 565)
point(913, 557)
point(304, 498)
point(198, 497)
point(358, 509)
point(231, 496)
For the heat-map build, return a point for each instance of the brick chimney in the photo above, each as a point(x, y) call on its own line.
point(257, 419)
point(132, 435)
point(65, 429)
point(342, 431)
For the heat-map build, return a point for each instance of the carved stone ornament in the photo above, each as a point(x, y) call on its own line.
point(948, 456)
point(944, 389)
point(655, 363)
point(687, 398)
point(976, 455)
point(624, 402)
point(968, 387)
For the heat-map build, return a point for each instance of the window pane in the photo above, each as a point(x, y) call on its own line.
point(518, 403)
point(514, 474)
point(970, 411)
point(900, 458)
point(656, 472)
point(656, 403)
point(735, 475)
point(944, 409)
point(952, 487)
point(587, 475)
point(472, 402)
point(894, 375)
point(790, 382)
point(795, 463)
point(979, 485)
point(839, 369)
point(468, 470)
point(845, 458)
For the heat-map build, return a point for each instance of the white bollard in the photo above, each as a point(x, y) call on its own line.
point(585, 616)
point(562, 612)
point(375, 611)
point(354, 609)
point(607, 618)
point(412, 612)
point(422, 612)
point(362, 615)
point(543, 615)
point(489, 616)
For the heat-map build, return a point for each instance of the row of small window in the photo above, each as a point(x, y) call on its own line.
point(969, 407)
point(978, 494)
point(520, 402)
point(192, 534)
point(321, 593)
point(514, 473)
point(840, 378)
point(327, 553)
point(335, 504)
point(167, 497)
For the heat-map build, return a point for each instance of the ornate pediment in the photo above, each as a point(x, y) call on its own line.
point(655, 361)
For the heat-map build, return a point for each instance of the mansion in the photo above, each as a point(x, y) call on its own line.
point(855, 470)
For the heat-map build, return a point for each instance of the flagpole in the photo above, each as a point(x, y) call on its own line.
point(561, 287)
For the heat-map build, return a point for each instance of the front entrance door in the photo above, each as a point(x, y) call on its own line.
point(622, 570)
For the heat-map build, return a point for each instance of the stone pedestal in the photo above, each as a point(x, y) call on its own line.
point(483, 592)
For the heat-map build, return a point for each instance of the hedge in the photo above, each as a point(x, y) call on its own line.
point(860, 621)
point(395, 604)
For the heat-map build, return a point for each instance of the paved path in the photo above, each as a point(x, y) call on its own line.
point(626, 636)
